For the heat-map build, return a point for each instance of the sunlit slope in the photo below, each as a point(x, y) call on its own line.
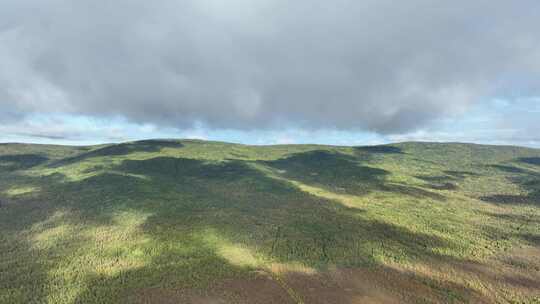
point(120, 223)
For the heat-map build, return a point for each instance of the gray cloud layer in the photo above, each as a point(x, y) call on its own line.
point(379, 65)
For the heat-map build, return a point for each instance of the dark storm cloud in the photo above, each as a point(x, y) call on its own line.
point(385, 66)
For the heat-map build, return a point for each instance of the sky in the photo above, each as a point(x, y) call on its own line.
point(343, 72)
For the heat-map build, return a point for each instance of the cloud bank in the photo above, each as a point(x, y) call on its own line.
point(375, 65)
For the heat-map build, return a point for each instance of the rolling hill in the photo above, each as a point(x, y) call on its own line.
point(188, 221)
